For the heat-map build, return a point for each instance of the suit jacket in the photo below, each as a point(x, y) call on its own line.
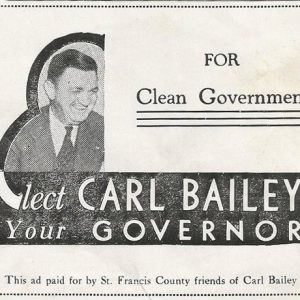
point(32, 150)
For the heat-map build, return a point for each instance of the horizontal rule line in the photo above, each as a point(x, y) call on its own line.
point(216, 111)
point(220, 125)
point(227, 118)
point(147, 6)
point(152, 294)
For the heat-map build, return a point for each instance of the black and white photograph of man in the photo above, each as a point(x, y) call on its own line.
point(68, 134)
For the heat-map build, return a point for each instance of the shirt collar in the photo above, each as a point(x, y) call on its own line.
point(58, 131)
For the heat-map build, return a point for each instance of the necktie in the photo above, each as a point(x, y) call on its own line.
point(66, 155)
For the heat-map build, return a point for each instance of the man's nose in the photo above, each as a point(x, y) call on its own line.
point(84, 99)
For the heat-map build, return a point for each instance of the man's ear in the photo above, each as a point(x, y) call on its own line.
point(49, 88)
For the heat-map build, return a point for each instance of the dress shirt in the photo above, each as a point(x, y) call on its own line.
point(58, 132)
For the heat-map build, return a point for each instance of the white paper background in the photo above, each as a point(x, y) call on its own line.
point(164, 48)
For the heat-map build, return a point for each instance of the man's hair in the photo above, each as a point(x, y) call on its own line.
point(70, 58)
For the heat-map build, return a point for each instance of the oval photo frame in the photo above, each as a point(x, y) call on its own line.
point(32, 90)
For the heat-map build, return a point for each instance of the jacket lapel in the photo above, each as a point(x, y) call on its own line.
point(89, 153)
point(89, 147)
point(44, 148)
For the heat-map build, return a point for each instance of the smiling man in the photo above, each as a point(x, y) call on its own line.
point(67, 135)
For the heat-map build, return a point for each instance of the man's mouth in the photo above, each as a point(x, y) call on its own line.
point(80, 107)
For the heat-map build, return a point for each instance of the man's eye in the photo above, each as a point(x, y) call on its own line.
point(93, 93)
point(76, 91)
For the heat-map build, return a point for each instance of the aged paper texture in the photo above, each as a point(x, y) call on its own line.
point(149, 150)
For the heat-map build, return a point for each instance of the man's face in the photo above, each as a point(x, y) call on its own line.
point(76, 93)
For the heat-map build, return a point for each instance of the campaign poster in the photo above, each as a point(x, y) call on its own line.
point(149, 150)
